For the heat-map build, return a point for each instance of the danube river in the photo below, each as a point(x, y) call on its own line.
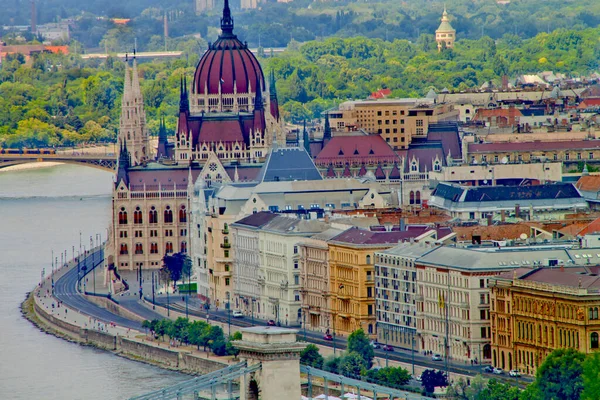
point(42, 210)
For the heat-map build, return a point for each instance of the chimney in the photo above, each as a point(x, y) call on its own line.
point(489, 219)
point(517, 210)
point(502, 215)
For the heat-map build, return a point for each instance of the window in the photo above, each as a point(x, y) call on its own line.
point(183, 232)
point(313, 206)
point(138, 234)
point(370, 309)
point(183, 247)
point(594, 340)
point(297, 280)
point(591, 155)
point(226, 253)
point(226, 281)
point(330, 205)
point(296, 265)
point(182, 214)
point(124, 248)
point(567, 156)
point(153, 233)
point(368, 259)
point(137, 216)
point(168, 247)
point(483, 332)
point(153, 248)
point(369, 292)
point(123, 234)
point(168, 215)
point(482, 314)
point(168, 232)
point(122, 216)
point(274, 208)
point(579, 156)
point(152, 215)
point(482, 283)
point(419, 122)
point(139, 248)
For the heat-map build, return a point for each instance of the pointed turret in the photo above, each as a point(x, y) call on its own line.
point(162, 151)
point(226, 21)
point(306, 139)
point(259, 110)
point(326, 130)
point(123, 165)
point(184, 101)
point(135, 81)
point(273, 103)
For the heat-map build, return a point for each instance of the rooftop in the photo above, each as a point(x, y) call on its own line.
point(289, 164)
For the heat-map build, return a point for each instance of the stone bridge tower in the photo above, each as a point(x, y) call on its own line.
point(279, 353)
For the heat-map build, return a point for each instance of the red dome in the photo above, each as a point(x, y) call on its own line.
point(227, 61)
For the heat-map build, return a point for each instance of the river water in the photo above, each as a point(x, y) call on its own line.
point(42, 210)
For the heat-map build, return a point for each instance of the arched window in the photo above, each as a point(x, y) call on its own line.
point(418, 197)
point(168, 215)
point(594, 340)
point(370, 329)
point(184, 247)
point(591, 313)
point(595, 312)
point(153, 215)
point(368, 259)
point(137, 216)
point(182, 214)
point(139, 249)
point(168, 247)
point(124, 248)
point(153, 248)
point(412, 197)
point(122, 216)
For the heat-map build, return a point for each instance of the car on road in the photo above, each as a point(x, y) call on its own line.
point(375, 344)
point(387, 347)
point(514, 373)
point(488, 369)
point(436, 357)
point(498, 371)
point(328, 337)
point(271, 322)
point(237, 314)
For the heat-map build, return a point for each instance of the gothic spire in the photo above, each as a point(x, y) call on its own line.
point(306, 139)
point(135, 81)
point(123, 164)
point(272, 89)
point(184, 102)
point(258, 100)
point(327, 128)
point(226, 21)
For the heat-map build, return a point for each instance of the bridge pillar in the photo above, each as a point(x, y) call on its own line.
point(279, 353)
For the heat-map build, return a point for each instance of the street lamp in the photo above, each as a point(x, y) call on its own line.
point(228, 315)
point(252, 310)
point(153, 306)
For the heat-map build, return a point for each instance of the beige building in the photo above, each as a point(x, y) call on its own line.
point(397, 121)
point(316, 280)
point(445, 34)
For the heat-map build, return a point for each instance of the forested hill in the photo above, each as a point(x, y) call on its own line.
point(62, 100)
point(275, 24)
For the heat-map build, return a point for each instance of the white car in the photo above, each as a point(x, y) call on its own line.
point(237, 314)
point(436, 357)
point(514, 373)
point(498, 371)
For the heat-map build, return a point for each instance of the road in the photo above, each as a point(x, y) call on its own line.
point(66, 291)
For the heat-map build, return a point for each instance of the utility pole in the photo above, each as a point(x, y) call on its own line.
point(228, 315)
point(153, 306)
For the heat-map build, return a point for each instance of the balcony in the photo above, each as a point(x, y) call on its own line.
point(224, 274)
point(418, 297)
point(225, 245)
point(225, 231)
point(344, 296)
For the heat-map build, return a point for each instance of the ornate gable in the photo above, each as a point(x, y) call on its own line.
point(213, 171)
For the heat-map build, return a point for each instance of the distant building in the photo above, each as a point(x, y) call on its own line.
point(204, 5)
point(445, 34)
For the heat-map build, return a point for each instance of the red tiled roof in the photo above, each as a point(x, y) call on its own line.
point(563, 277)
point(355, 149)
point(497, 112)
point(381, 94)
point(221, 131)
point(363, 237)
point(589, 102)
point(535, 146)
point(588, 183)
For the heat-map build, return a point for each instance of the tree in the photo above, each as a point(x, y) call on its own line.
point(431, 378)
point(310, 356)
point(560, 375)
point(178, 265)
point(351, 365)
point(332, 364)
point(359, 342)
point(591, 377)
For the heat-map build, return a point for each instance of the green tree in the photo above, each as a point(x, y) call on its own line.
point(560, 375)
point(430, 379)
point(310, 356)
point(351, 365)
point(332, 364)
point(359, 342)
point(591, 377)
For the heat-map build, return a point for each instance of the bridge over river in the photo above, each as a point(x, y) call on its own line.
point(107, 162)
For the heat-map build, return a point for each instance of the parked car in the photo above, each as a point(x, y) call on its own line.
point(436, 357)
point(387, 347)
point(328, 337)
point(237, 314)
point(271, 322)
point(488, 369)
point(498, 371)
point(375, 344)
point(514, 373)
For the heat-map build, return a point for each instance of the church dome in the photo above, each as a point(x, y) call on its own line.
point(227, 63)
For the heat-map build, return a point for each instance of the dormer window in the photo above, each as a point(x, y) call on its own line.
point(413, 167)
point(437, 166)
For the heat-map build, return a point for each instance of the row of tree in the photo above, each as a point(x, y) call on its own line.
point(196, 333)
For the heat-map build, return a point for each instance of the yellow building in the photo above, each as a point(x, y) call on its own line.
point(445, 35)
point(535, 311)
point(352, 278)
point(396, 120)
